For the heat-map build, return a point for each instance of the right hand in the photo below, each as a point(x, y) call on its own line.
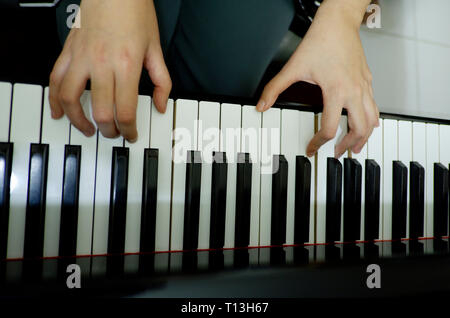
point(115, 40)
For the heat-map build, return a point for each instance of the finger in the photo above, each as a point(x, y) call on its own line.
point(126, 97)
point(273, 89)
point(102, 94)
point(159, 74)
point(72, 87)
point(56, 78)
point(329, 123)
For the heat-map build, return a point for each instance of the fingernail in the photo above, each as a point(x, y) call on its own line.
point(91, 131)
point(261, 105)
point(132, 141)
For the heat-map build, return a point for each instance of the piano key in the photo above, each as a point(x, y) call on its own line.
point(136, 162)
point(352, 199)
point(325, 152)
point(55, 133)
point(420, 156)
point(251, 143)
point(230, 143)
point(417, 197)
point(432, 152)
point(440, 200)
point(362, 157)
point(399, 205)
point(149, 201)
point(5, 108)
point(270, 146)
point(405, 153)
point(390, 154)
point(444, 149)
point(291, 146)
point(69, 201)
point(35, 210)
point(6, 153)
point(302, 200)
point(279, 201)
point(375, 152)
point(185, 138)
point(208, 142)
point(161, 139)
point(333, 201)
point(24, 131)
point(103, 192)
point(372, 200)
point(192, 200)
point(118, 200)
point(87, 181)
point(218, 190)
point(243, 200)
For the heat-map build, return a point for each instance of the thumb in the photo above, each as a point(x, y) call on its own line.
point(273, 89)
point(159, 75)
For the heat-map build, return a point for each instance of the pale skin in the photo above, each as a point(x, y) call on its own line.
point(118, 37)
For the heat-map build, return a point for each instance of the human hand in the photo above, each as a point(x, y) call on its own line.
point(331, 56)
point(115, 40)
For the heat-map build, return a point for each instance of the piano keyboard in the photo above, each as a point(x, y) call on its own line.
point(207, 175)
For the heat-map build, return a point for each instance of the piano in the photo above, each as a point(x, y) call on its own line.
point(212, 185)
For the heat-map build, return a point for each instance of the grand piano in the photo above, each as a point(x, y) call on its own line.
point(238, 213)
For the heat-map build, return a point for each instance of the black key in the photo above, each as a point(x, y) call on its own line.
point(69, 205)
point(6, 152)
point(35, 211)
point(352, 199)
point(399, 199)
point(440, 200)
point(149, 200)
point(192, 200)
point(302, 200)
point(334, 200)
point(279, 200)
point(218, 200)
point(243, 200)
point(372, 201)
point(417, 199)
point(118, 200)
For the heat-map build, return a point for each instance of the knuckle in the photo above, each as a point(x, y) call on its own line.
point(102, 117)
point(66, 98)
point(126, 118)
point(328, 133)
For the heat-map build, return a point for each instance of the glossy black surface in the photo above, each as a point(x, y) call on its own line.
point(36, 198)
point(279, 200)
point(69, 205)
point(149, 200)
point(6, 153)
point(118, 200)
point(399, 199)
point(192, 200)
point(372, 200)
point(218, 200)
point(243, 200)
point(334, 200)
point(440, 206)
point(417, 199)
point(302, 200)
point(352, 199)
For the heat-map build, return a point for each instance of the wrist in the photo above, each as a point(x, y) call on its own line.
point(352, 11)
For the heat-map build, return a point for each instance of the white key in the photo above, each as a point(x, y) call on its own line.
point(135, 175)
point(161, 139)
point(251, 143)
point(419, 154)
point(103, 192)
point(230, 142)
point(291, 133)
point(25, 129)
point(375, 152)
point(55, 133)
point(326, 151)
point(405, 156)
point(5, 108)
point(185, 138)
point(270, 145)
point(390, 153)
point(432, 135)
point(87, 181)
point(208, 141)
point(444, 149)
point(361, 157)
